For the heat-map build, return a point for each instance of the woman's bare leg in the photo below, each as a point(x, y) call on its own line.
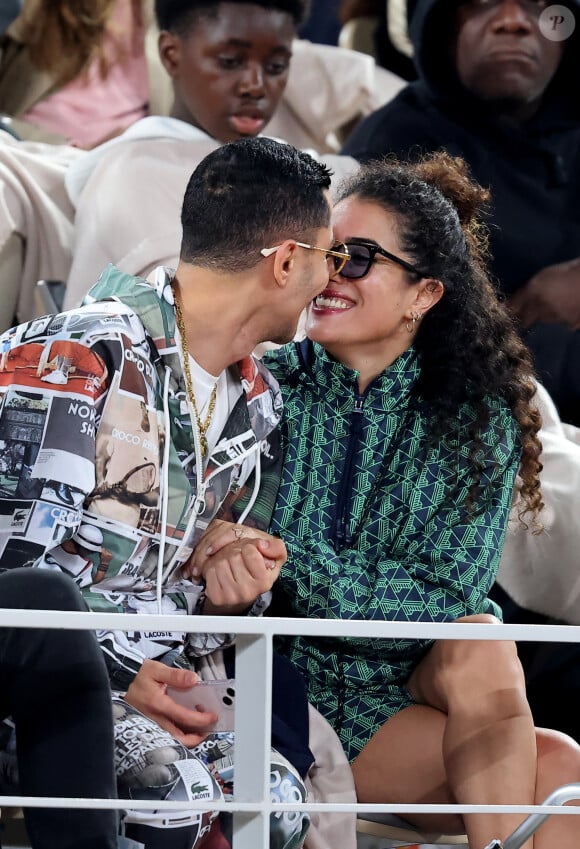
point(489, 743)
point(485, 737)
point(558, 763)
point(403, 762)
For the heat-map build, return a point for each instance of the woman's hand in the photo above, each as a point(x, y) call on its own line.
point(221, 534)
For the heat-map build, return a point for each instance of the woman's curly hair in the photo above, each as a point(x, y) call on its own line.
point(64, 36)
point(469, 346)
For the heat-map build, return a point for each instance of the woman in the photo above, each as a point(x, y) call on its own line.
point(407, 417)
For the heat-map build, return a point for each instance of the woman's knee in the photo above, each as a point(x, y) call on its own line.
point(474, 668)
point(484, 677)
point(558, 760)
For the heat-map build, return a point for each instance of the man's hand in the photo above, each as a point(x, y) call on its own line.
point(552, 296)
point(236, 575)
point(148, 693)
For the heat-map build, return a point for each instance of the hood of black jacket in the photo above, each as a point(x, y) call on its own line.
point(431, 29)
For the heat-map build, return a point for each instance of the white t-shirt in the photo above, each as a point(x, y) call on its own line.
point(228, 392)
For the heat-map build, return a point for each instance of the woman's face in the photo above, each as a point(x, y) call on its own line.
point(368, 317)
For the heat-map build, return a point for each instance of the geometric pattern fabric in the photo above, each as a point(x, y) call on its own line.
point(419, 557)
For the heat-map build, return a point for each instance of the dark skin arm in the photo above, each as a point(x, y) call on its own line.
point(551, 296)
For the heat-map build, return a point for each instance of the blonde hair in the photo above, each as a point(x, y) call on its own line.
point(64, 36)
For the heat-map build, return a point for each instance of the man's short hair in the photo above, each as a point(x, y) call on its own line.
point(178, 16)
point(248, 195)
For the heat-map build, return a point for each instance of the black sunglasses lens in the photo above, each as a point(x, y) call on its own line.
point(359, 263)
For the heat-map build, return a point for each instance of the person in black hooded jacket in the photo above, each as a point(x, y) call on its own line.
point(494, 89)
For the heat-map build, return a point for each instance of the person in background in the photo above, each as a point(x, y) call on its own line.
point(494, 88)
point(229, 64)
point(55, 690)
point(408, 413)
point(75, 71)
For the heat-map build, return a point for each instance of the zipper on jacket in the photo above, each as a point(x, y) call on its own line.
point(341, 534)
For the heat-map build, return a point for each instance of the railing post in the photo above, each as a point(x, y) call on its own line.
point(561, 795)
point(252, 750)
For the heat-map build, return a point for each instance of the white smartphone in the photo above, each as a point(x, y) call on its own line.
point(215, 696)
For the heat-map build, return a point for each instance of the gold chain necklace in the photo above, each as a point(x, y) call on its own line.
point(201, 425)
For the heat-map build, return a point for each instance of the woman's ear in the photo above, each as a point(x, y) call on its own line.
point(428, 292)
point(170, 52)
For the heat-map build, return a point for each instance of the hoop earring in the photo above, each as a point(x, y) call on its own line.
point(415, 318)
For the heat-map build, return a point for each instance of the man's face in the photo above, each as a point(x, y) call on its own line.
point(310, 277)
point(500, 52)
point(230, 71)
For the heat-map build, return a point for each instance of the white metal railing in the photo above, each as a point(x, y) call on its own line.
point(252, 806)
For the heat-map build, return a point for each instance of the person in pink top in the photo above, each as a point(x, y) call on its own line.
point(76, 74)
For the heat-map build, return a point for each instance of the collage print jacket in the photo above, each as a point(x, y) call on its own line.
point(98, 461)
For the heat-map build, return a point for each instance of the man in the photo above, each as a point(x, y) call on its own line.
point(494, 88)
point(55, 690)
point(164, 423)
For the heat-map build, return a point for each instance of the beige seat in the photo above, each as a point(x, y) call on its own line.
point(383, 831)
point(11, 263)
point(359, 34)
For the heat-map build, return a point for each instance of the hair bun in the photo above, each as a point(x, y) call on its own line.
point(450, 174)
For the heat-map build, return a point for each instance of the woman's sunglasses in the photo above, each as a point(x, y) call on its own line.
point(362, 255)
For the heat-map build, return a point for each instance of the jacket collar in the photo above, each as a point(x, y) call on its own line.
point(153, 303)
point(388, 391)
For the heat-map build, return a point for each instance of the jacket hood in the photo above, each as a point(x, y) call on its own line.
point(153, 303)
point(431, 31)
point(152, 127)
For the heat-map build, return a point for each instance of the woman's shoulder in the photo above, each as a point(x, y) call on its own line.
point(498, 426)
point(283, 362)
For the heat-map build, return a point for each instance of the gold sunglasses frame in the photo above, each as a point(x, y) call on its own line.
point(342, 255)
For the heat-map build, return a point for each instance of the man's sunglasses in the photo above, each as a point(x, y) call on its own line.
point(336, 257)
point(363, 254)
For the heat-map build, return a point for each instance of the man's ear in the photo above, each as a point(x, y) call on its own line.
point(284, 260)
point(169, 46)
point(427, 293)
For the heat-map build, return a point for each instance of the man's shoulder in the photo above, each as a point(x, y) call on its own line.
point(398, 124)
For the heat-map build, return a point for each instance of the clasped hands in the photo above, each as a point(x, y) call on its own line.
point(237, 563)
